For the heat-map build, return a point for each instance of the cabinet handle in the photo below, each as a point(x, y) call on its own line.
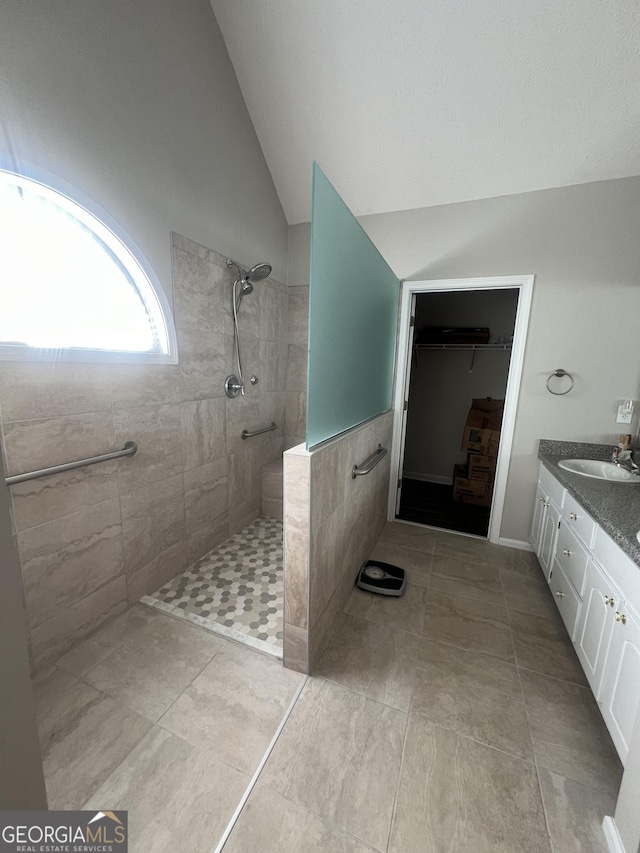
point(620, 617)
point(566, 552)
point(573, 516)
point(608, 599)
point(561, 595)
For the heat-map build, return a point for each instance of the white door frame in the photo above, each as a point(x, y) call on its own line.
point(405, 396)
point(523, 283)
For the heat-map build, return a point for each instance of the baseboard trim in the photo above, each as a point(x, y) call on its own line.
point(515, 543)
point(428, 478)
point(612, 836)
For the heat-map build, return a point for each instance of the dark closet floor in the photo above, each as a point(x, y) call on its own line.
point(433, 504)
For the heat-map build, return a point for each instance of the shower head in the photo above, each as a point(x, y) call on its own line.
point(258, 272)
point(246, 278)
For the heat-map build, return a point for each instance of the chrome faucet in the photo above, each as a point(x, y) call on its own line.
point(625, 460)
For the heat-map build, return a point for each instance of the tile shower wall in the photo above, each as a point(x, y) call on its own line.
point(331, 523)
point(94, 540)
point(296, 381)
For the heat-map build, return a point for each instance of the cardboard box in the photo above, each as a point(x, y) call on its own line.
point(470, 491)
point(482, 428)
point(482, 467)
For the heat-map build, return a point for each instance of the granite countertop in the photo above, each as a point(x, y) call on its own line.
point(614, 506)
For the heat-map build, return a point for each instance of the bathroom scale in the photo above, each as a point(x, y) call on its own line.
point(383, 578)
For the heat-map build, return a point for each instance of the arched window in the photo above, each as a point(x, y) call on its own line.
point(69, 286)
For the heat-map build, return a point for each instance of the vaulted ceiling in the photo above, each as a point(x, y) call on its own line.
point(413, 103)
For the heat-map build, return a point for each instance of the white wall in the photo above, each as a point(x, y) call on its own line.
point(582, 245)
point(299, 255)
point(135, 103)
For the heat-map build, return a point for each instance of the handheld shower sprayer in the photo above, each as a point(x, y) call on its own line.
point(234, 385)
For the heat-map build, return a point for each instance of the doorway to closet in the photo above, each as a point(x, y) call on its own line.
point(461, 350)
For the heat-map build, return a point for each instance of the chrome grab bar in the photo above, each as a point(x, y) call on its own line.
point(369, 463)
point(129, 449)
point(246, 434)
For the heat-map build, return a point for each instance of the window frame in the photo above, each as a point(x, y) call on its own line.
point(125, 249)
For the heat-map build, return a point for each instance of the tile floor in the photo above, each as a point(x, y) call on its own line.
point(452, 720)
point(236, 590)
point(160, 717)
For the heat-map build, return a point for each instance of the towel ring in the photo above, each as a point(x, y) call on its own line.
point(560, 373)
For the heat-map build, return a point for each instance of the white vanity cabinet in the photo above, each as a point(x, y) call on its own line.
point(620, 692)
point(567, 599)
point(548, 537)
point(596, 587)
point(569, 564)
point(538, 517)
point(546, 518)
point(597, 619)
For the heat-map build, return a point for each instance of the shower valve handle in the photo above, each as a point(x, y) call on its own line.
point(233, 386)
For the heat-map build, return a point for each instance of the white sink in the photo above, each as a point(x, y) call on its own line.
point(600, 470)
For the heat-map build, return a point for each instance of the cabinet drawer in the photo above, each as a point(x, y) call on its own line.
point(550, 486)
point(578, 520)
point(572, 556)
point(566, 599)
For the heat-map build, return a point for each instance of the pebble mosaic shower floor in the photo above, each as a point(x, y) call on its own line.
point(236, 590)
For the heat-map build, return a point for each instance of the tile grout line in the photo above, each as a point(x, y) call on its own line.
point(153, 724)
point(182, 692)
point(234, 818)
point(554, 677)
point(540, 767)
point(106, 693)
point(423, 716)
point(533, 749)
point(430, 639)
point(544, 810)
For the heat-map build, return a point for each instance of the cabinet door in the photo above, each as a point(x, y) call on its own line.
point(538, 515)
point(567, 599)
point(596, 623)
point(572, 555)
point(548, 538)
point(620, 694)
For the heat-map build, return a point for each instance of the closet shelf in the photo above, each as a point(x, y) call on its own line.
point(472, 347)
point(464, 346)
